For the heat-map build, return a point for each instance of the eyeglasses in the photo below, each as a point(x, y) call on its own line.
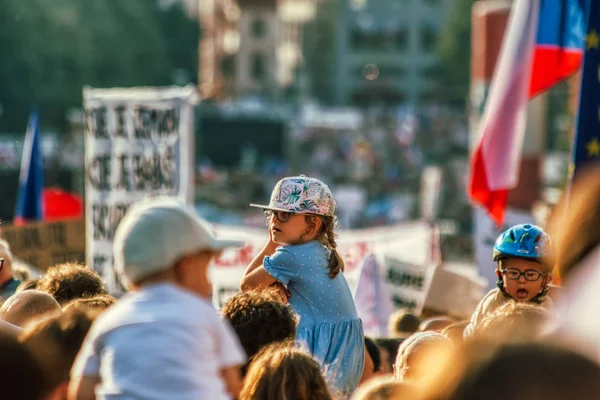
point(282, 216)
point(514, 274)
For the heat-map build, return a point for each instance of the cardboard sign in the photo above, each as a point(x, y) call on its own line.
point(138, 143)
point(45, 244)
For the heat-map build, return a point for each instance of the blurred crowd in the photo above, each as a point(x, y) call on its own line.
point(372, 159)
point(62, 336)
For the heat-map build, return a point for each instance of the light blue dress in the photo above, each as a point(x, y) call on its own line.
point(329, 324)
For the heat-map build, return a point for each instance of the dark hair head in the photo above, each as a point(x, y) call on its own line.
point(259, 320)
point(403, 323)
point(284, 372)
point(71, 281)
point(482, 370)
point(391, 346)
point(374, 353)
point(55, 342)
point(21, 377)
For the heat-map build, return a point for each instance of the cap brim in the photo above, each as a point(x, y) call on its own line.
point(284, 210)
point(269, 208)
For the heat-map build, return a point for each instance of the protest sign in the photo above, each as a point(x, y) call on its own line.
point(373, 299)
point(44, 244)
point(408, 284)
point(138, 143)
point(409, 242)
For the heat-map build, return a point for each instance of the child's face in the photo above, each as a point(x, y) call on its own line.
point(526, 286)
point(288, 228)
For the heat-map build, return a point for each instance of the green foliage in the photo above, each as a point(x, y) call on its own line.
point(50, 49)
point(320, 37)
point(454, 53)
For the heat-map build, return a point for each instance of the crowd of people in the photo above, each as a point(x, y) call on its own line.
point(376, 155)
point(293, 331)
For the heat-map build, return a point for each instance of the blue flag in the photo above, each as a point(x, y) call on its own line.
point(586, 148)
point(31, 180)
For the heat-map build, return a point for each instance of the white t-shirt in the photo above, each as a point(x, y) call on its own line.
point(161, 342)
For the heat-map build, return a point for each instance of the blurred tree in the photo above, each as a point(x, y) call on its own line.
point(50, 49)
point(319, 50)
point(454, 54)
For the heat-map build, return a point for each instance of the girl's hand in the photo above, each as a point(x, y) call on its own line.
point(280, 292)
point(271, 246)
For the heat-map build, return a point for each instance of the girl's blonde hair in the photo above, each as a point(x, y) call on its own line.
point(284, 372)
point(327, 235)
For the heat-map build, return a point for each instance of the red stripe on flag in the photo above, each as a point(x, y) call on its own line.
point(494, 201)
point(551, 65)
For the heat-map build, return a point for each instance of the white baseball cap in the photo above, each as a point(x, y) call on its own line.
point(156, 233)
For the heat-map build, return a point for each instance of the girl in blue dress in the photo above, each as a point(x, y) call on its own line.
point(301, 254)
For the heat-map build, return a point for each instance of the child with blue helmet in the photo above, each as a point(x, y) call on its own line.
point(525, 258)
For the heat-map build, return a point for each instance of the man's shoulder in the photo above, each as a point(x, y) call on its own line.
point(172, 306)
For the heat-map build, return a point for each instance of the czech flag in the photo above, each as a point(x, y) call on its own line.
point(31, 179)
point(543, 44)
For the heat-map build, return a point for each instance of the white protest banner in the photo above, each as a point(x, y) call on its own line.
point(409, 242)
point(372, 298)
point(408, 283)
point(138, 143)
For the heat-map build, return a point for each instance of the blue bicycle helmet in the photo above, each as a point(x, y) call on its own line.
point(524, 241)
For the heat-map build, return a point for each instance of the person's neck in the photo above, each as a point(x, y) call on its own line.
point(163, 277)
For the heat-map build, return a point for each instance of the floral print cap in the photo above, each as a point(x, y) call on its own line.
point(302, 195)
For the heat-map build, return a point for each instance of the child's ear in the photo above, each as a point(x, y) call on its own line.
point(318, 224)
point(498, 274)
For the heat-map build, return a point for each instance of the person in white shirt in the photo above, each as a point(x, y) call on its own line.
point(163, 340)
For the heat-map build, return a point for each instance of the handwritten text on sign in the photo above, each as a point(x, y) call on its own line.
point(138, 143)
point(45, 244)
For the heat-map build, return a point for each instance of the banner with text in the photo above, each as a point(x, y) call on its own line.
point(409, 242)
point(138, 143)
point(408, 283)
point(44, 244)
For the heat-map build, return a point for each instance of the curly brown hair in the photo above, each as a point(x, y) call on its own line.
point(100, 303)
point(259, 319)
point(284, 372)
point(70, 281)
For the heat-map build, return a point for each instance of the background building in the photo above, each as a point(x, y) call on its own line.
point(256, 59)
point(374, 50)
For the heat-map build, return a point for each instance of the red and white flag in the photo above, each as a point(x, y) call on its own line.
point(496, 161)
